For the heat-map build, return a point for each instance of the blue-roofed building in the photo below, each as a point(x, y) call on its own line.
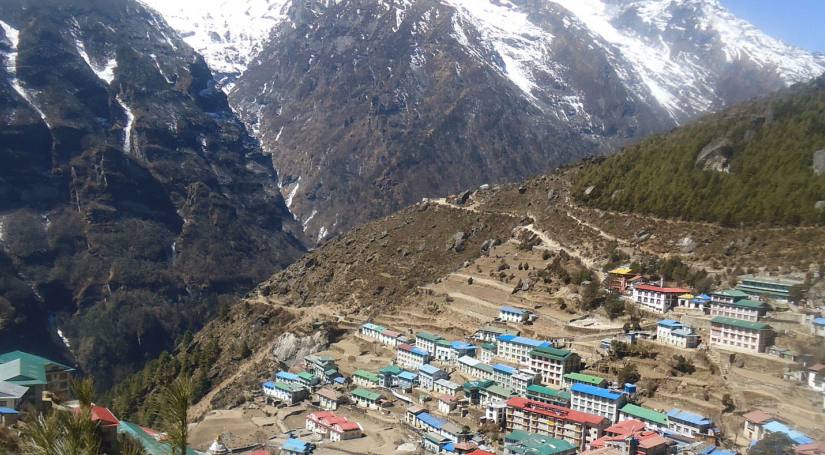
point(818, 326)
point(428, 422)
point(8, 416)
point(677, 334)
point(434, 442)
point(517, 315)
point(287, 377)
point(411, 357)
point(285, 392)
point(461, 349)
point(428, 374)
point(446, 387)
point(517, 348)
point(407, 380)
point(796, 436)
point(597, 401)
point(688, 423)
point(370, 330)
point(294, 446)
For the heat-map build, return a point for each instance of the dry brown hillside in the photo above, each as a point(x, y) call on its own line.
point(446, 265)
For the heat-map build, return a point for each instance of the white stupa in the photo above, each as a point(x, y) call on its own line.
point(217, 448)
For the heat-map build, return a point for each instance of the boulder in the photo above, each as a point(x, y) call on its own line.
point(687, 245)
point(820, 205)
point(462, 198)
point(589, 190)
point(487, 246)
point(456, 242)
point(716, 156)
point(819, 162)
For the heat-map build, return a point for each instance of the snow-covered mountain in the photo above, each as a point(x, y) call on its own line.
point(227, 33)
point(661, 42)
point(368, 105)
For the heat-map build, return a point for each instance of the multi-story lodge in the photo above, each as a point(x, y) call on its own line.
point(744, 309)
point(656, 299)
point(580, 378)
point(489, 333)
point(596, 400)
point(677, 334)
point(428, 374)
point(768, 287)
point(739, 334)
point(552, 363)
point(411, 357)
point(547, 395)
point(428, 342)
point(517, 349)
point(653, 420)
point(577, 428)
point(517, 315)
point(688, 423)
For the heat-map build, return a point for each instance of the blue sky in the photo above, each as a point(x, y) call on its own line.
point(797, 22)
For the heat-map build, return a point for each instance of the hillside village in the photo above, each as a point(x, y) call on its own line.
point(531, 346)
point(497, 391)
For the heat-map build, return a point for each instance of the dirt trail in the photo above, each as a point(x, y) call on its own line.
point(554, 245)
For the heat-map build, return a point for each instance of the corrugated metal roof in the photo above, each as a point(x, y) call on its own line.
point(588, 389)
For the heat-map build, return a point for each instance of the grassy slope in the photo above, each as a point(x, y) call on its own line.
point(771, 180)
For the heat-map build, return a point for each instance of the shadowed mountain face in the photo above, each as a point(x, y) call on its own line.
point(132, 200)
point(366, 106)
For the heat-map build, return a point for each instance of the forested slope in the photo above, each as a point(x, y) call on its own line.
point(761, 162)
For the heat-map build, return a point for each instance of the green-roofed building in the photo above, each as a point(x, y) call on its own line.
point(654, 420)
point(547, 395)
point(522, 443)
point(149, 442)
point(427, 341)
point(737, 308)
point(37, 373)
point(364, 398)
point(737, 334)
point(487, 352)
point(768, 287)
point(472, 389)
point(365, 378)
point(307, 379)
point(553, 363)
point(581, 378)
point(389, 375)
point(494, 393)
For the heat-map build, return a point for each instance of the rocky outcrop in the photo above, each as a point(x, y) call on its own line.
point(133, 199)
point(716, 156)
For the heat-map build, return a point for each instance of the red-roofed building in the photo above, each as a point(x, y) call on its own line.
point(814, 448)
point(656, 299)
point(575, 427)
point(625, 428)
point(447, 403)
point(104, 416)
point(480, 452)
point(631, 433)
point(754, 424)
point(336, 427)
point(389, 337)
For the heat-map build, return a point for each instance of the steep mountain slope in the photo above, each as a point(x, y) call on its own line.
point(367, 105)
point(762, 162)
point(391, 270)
point(132, 200)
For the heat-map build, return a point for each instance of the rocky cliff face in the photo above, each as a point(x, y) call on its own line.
point(368, 105)
point(132, 200)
